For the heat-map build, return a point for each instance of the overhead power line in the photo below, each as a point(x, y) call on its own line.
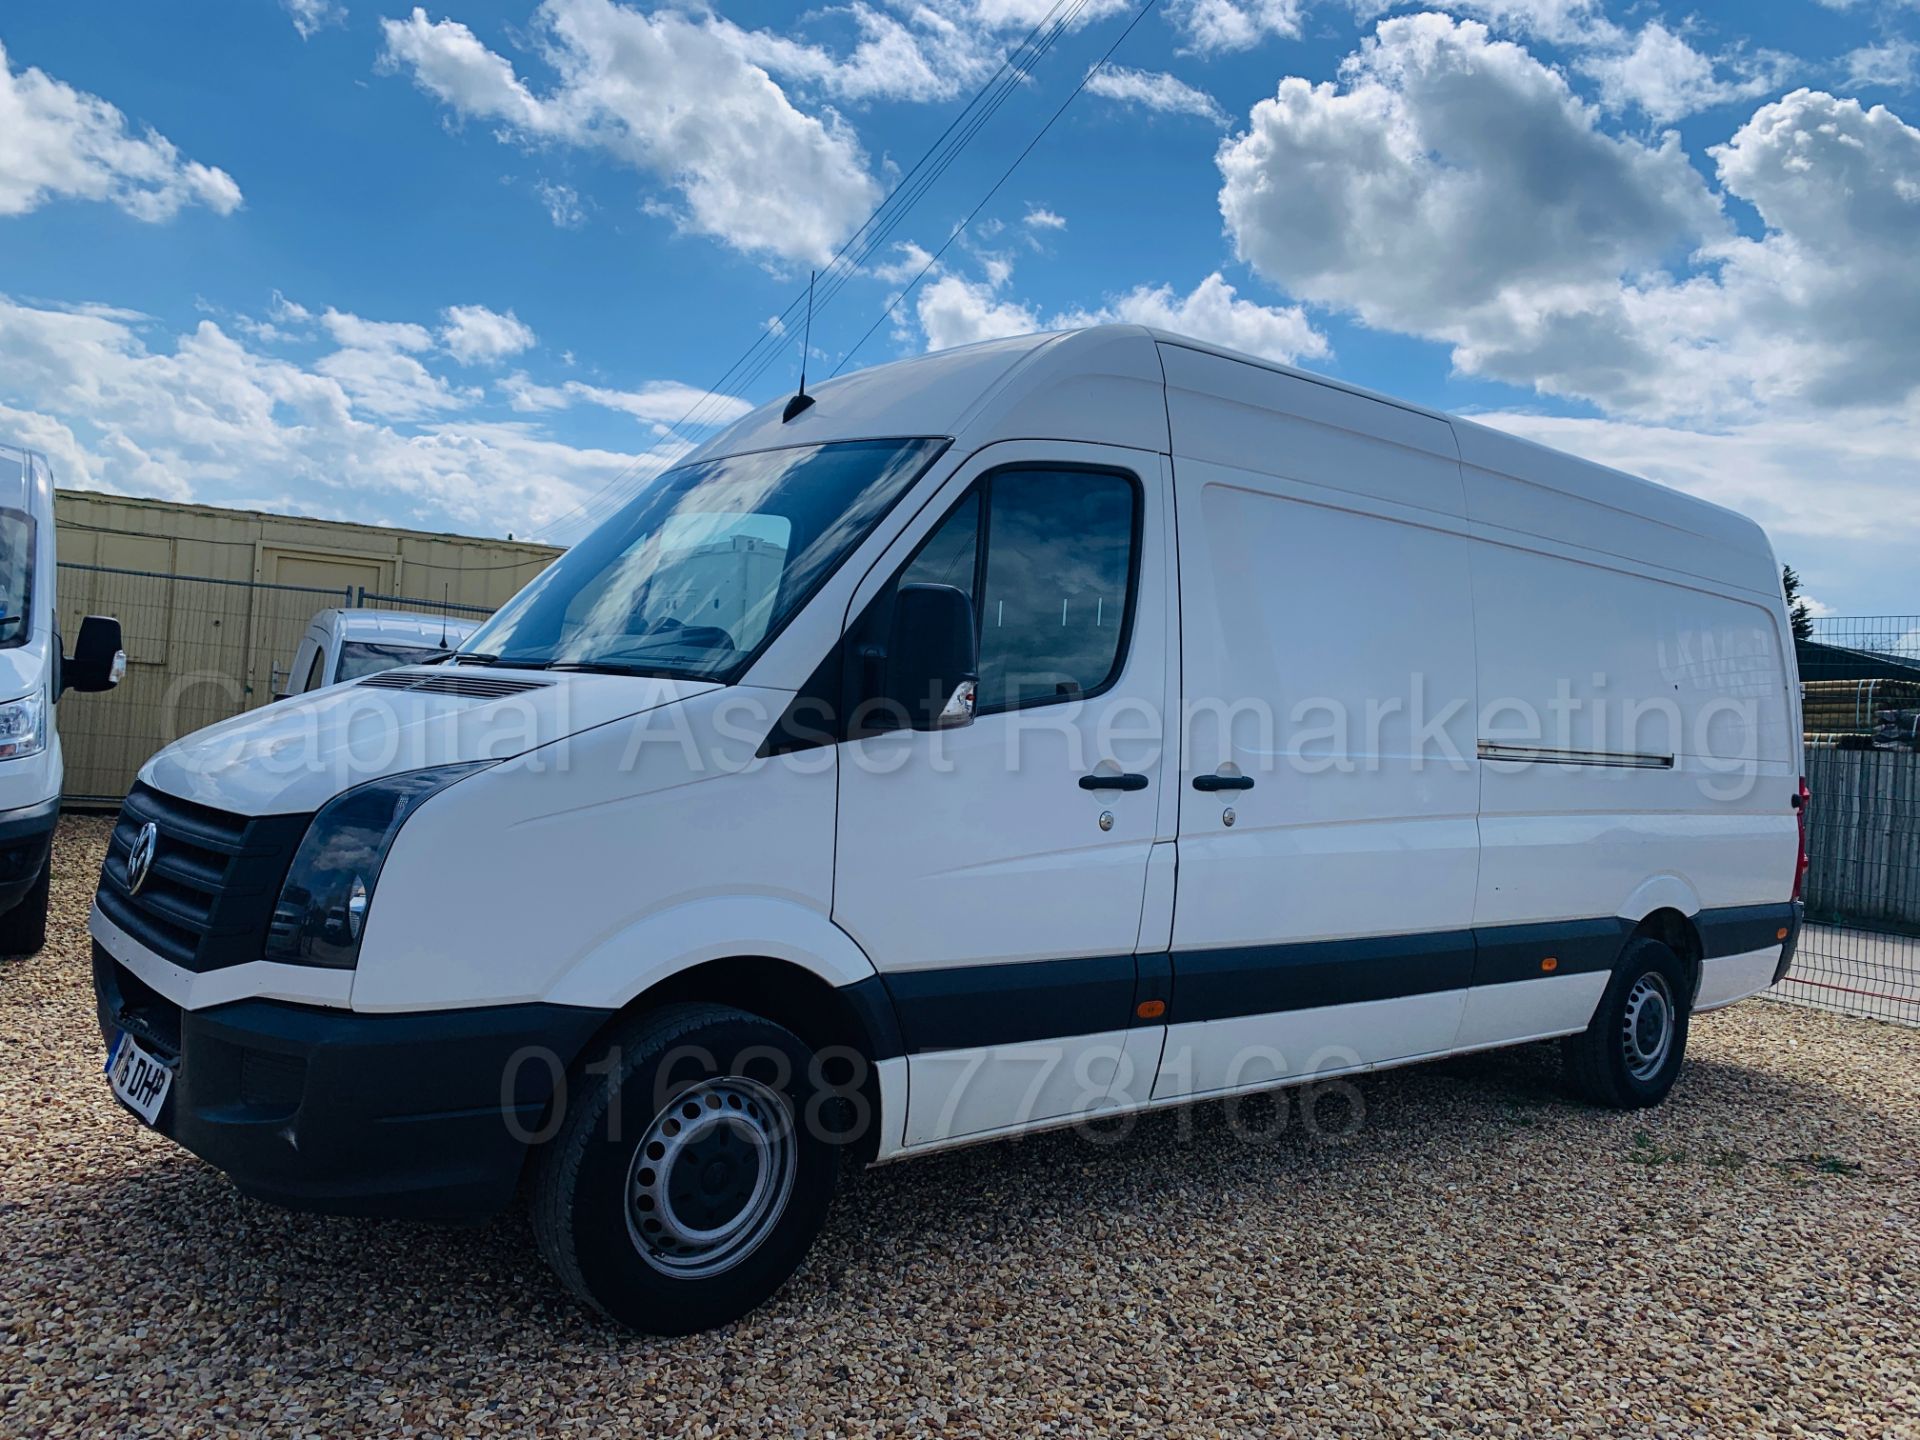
point(775, 337)
point(1005, 175)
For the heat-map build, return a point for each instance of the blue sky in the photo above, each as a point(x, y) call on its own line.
point(463, 267)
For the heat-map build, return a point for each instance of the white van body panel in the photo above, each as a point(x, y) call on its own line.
point(629, 826)
point(1344, 802)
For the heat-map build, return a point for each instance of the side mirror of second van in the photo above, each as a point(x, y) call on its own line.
point(932, 664)
point(98, 661)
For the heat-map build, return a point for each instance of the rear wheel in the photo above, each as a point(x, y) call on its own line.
point(23, 929)
point(1629, 1057)
point(685, 1183)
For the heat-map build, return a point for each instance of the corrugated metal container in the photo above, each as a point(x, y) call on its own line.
point(214, 601)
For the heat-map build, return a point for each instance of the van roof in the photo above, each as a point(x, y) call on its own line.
point(403, 627)
point(1106, 384)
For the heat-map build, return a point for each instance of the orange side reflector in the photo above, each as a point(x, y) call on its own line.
point(1550, 964)
point(1150, 1009)
point(1781, 933)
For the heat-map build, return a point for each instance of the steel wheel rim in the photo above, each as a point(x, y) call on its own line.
point(1647, 1026)
point(711, 1177)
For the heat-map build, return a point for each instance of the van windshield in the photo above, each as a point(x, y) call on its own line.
point(16, 576)
point(705, 563)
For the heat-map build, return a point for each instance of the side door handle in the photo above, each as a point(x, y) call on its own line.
point(1113, 782)
point(1210, 783)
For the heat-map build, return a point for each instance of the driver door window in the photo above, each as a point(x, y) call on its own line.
point(1051, 602)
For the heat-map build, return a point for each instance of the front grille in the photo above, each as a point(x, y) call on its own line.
point(211, 888)
point(442, 682)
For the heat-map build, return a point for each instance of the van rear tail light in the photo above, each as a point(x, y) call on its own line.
point(1800, 802)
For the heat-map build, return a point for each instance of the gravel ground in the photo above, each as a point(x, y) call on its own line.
point(1480, 1256)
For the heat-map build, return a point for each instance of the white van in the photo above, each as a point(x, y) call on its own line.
point(33, 674)
point(1110, 722)
point(342, 644)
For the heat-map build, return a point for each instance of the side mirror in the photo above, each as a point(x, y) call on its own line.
point(97, 662)
point(933, 657)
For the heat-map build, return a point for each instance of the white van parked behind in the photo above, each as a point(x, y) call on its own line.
point(1062, 726)
point(351, 644)
point(33, 674)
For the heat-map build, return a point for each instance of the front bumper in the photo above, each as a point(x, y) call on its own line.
point(26, 836)
point(421, 1114)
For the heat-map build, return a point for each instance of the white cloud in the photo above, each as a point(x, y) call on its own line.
point(1211, 26)
point(473, 334)
point(1452, 186)
point(204, 417)
point(1041, 218)
point(1557, 22)
point(57, 142)
point(661, 404)
point(358, 334)
point(1213, 311)
point(1413, 196)
point(956, 311)
point(912, 259)
point(1667, 79)
point(311, 16)
point(1894, 64)
point(1155, 90)
point(392, 384)
point(563, 204)
point(665, 403)
point(526, 396)
point(672, 96)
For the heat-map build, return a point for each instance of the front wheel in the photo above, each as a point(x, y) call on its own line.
point(688, 1176)
point(1629, 1057)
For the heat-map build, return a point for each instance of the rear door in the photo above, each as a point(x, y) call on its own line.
point(1328, 841)
point(996, 873)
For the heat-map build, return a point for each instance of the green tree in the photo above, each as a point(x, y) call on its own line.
point(1797, 610)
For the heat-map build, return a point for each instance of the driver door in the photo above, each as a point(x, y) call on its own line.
point(996, 873)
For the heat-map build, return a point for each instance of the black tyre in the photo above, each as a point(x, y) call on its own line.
point(23, 929)
point(687, 1177)
point(1629, 1057)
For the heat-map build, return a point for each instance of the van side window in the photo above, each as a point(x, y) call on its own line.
point(1053, 608)
point(313, 681)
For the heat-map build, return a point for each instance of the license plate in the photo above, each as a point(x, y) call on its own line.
point(139, 1078)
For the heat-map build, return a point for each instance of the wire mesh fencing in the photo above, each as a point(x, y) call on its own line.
point(1860, 699)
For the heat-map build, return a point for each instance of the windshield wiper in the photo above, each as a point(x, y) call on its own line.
point(469, 657)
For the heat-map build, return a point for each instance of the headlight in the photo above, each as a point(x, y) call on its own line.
point(23, 726)
point(323, 905)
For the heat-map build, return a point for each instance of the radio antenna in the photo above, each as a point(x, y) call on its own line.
point(801, 400)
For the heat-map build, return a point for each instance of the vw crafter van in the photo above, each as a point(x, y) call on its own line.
point(1063, 726)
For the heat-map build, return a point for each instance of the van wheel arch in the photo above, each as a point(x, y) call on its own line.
point(819, 1013)
point(1678, 933)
